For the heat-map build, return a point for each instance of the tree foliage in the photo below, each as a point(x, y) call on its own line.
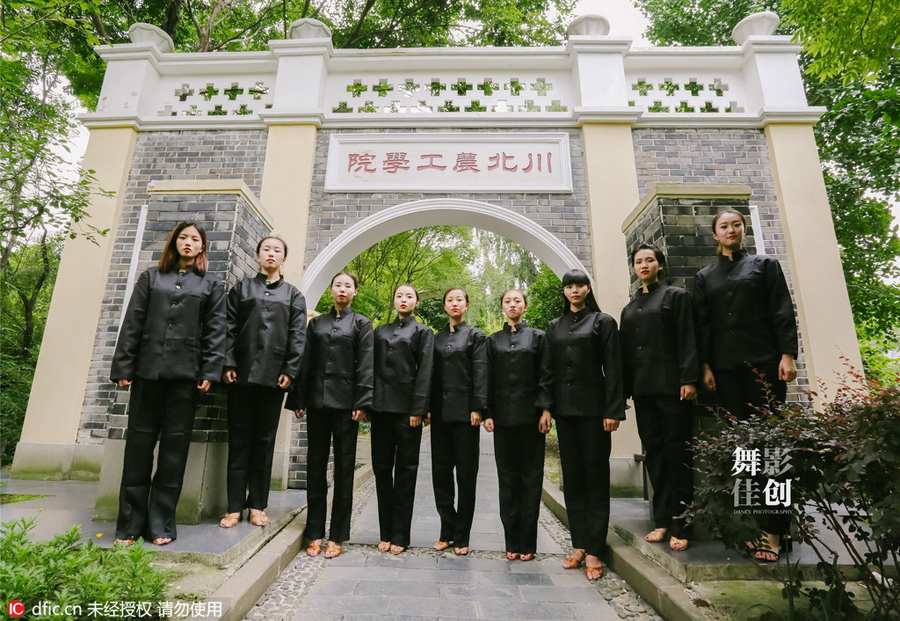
point(36, 124)
point(215, 25)
point(858, 137)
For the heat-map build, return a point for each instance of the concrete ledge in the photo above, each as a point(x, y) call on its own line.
point(243, 589)
point(39, 461)
point(211, 186)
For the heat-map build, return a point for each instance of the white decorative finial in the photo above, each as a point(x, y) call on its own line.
point(308, 28)
point(589, 25)
point(763, 24)
point(148, 33)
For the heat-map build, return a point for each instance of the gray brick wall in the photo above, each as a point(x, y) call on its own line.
point(162, 156)
point(738, 156)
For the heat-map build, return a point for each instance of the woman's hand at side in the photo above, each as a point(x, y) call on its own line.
point(475, 418)
point(359, 416)
point(546, 423)
point(489, 425)
point(299, 413)
point(787, 370)
point(204, 385)
point(709, 380)
point(229, 376)
point(611, 424)
point(124, 383)
point(284, 382)
point(415, 421)
point(688, 392)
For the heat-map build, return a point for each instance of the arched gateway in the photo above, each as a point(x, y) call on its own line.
point(576, 152)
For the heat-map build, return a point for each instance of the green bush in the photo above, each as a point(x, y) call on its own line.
point(844, 471)
point(66, 572)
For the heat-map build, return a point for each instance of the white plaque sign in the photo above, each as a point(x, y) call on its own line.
point(449, 162)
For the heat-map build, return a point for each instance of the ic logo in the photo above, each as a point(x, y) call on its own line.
point(15, 609)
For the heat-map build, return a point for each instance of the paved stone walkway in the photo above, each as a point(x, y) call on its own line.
point(364, 583)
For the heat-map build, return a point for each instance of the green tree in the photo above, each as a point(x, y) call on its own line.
point(214, 25)
point(545, 299)
point(25, 289)
point(858, 137)
point(36, 124)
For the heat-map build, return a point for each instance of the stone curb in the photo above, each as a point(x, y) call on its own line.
point(650, 581)
point(243, 589)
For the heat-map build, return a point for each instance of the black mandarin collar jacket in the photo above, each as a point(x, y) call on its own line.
point(583, 367)
point(459, 385)
point(659, 347)
point(404, 358)
point(515, 365)
point(174, 328)
point(744, 311)
point(337, 371)
point(266, 330)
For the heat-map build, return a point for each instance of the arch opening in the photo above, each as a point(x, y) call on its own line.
point(436, 212)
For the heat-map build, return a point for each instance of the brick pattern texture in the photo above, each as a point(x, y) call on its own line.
point(738, 156)
point(232, 229)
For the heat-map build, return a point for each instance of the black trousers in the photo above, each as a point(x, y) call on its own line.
point(743, 392)
point(322, 427)
point(395, 462)
point(584, 449)
point(253, 415)
point(665, 427)
point(162, 409)
point(519, 452)
point(455, 446)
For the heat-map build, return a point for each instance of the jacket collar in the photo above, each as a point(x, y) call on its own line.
point(261, 277)
point(461, 324)
point(651, 288)
point(735, 257)
point(344, 313)
point(405, 321)
point(584, 312)
point(519, 327)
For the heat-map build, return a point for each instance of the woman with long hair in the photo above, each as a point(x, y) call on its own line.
point(661, 370)
point(459, 394)
point(404, 357)
point(748, 333)
point(336, 392)
point(266, 341)
point(584, 370)
point(518, 424)
point(171, 348)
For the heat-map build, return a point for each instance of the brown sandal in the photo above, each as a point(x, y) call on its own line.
point(657, 535)
point(384, 546)
point(314, 549)
point(593, 573)
point(333, 550)
point(126, 542)
point(259, 519)
point(573, 562)
point(440, 546)
point(512, 556)
point(162, 541)
point(461, 551)
point(230, 520)
point(395, 550)
point(526, 557)
point(678, 544)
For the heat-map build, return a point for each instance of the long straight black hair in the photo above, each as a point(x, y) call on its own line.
point(577, 277)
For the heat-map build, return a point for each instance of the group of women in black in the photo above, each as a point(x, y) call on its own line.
point(179, 335)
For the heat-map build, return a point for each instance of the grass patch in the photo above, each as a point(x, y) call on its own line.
point(8, 499)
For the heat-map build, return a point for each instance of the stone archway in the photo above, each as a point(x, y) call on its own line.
point(436, 212)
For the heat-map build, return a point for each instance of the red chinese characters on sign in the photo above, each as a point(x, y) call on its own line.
point(362, 162)
point(395, 162)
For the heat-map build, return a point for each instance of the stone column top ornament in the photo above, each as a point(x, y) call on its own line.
point(308, 28)
point(140, 32)
point(763, 24)
point(589, 26)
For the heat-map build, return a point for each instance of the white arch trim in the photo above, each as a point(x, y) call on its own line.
point(435, 212)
